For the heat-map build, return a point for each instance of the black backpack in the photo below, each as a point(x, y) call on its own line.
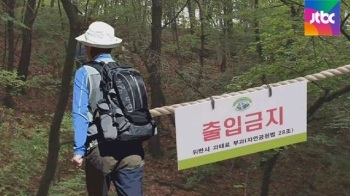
point(122, 113)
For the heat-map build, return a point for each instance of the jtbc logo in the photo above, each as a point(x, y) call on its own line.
point(319, 18)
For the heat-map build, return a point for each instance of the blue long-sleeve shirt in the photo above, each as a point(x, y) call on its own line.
point(80, 106)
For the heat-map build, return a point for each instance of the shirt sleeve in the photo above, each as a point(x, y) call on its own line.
point(80, 110)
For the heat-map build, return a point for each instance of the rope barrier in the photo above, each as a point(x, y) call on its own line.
point(166, 110)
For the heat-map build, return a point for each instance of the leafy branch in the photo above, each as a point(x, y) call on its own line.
point(326, 97)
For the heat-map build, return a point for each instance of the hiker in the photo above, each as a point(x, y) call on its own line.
point(119, 162)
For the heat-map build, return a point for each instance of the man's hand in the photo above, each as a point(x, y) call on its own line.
point(77, 161)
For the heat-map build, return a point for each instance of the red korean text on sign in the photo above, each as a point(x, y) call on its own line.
point(211, 131)
point(233, 126)
point(256, 123)
point(272, 118)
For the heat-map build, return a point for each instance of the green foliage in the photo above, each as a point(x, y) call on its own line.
point(46, 83)
point(52, 30)
point(340, 119)
point(66, 128)
point(10, 78)
point(239, 186)
point(28, 147)
point(287, 53)
point(28, 139)
point(5, 17)
point(187, 41)
point(170, 48)
point(74, 185)
point(199, 174)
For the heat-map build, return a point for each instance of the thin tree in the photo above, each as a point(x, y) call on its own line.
point(154, 60)
point(54, 145)
point(10, 10)
point(227, 32)
point(26, 51)
point(202, 38)
point(191, 15)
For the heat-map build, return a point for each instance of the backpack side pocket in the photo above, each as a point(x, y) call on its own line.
point(108, 125)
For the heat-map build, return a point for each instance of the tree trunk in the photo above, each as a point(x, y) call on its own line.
point(10, 10)
point(29, 18)
point(227, 32)
point(5, 44)
point(268, 168)
point(257, 31)
point(206, 5)
point(202, 38)
point(54, 136)
point(155, 77)
point(171, 17)
point(229, 24)
point(174, 30)
point(191, 16)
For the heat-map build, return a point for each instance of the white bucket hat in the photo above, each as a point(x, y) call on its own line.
point(99, 35)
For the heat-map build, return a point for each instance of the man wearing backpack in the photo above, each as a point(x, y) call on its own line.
point(107, 129)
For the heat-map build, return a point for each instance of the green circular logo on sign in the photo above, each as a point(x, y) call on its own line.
point(242, 103)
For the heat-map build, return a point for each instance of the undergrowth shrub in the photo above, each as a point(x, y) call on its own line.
point(24, 145)
point(196, 176)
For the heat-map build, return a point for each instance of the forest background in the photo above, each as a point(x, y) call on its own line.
point(186, 50)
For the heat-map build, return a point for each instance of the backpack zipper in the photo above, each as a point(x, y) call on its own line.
point(138, 89)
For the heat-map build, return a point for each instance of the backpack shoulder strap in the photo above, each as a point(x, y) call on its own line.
point(97, 65)
point(94, 77)
point(91, 71)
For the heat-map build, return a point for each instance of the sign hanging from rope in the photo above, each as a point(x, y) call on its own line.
point(244, 124)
